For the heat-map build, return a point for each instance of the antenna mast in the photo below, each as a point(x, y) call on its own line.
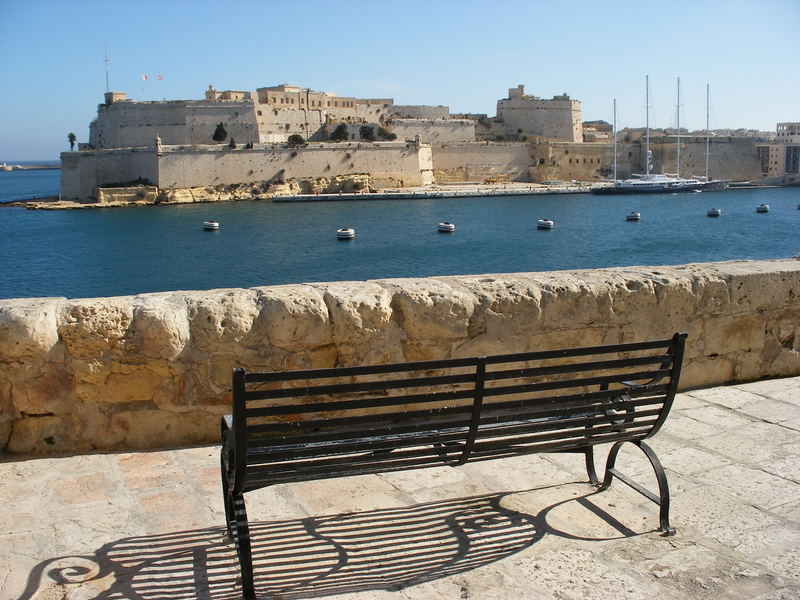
point(106, 60)
point(615, 139)
point(678, 108)
point(708, 132)
point(647, 125)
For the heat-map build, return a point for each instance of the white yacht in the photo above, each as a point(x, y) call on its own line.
point(661, 183)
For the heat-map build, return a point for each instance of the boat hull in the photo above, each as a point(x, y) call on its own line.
point(662, 188)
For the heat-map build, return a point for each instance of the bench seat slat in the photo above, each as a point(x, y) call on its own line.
point(411, 459)
point(405, 424)
point(505, 434)
point(286, 445)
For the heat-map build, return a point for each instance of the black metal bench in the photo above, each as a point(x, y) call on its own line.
point(315, 424)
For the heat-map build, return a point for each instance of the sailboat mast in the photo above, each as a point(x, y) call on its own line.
point(647, 125)
point(678, 122)
point(708, 132)
point(615, 139)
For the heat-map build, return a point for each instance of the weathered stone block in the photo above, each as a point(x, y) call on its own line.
point(28, 327)
point(96, 328)
point(430, 309)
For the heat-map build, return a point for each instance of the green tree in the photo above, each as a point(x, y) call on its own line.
point(367, 133)
point(340, 133)
point(219, 133)
point(296, 139)
point(71, 137)
point(232, 144)
point(384, 134)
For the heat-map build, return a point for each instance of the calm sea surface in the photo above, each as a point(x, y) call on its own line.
point(119, 251)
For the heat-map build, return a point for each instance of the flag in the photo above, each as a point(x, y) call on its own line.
point(144, 77)
point(160, 77)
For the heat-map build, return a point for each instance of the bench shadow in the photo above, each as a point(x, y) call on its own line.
point(384, 549)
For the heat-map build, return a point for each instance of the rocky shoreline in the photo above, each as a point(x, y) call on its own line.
point(351, 187)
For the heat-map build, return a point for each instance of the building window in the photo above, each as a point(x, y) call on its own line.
point(259, 113)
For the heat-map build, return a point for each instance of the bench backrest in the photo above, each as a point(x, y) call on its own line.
point(318, 423)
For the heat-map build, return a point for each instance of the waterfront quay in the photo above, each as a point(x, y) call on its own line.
point(150, 524)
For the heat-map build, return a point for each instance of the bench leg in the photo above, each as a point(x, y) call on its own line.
point(589, 452)
point(662, 499)
point(242, 537)
point(239, 530)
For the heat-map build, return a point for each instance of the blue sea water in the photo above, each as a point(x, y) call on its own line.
point(119, 251)
point(22, 184)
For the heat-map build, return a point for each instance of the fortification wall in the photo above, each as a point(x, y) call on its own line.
point(82, 172)
point(730, 158)
point(154, 370)
point(476, 161)
point(387, 162)
point(434, 131)
point(419, 112)
point(135, 124)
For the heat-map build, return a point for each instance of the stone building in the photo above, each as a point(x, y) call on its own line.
point(523, 114)
point(781, 159)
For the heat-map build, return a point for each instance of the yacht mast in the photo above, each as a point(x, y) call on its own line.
point(615, 139)
point(708, 133)
point(647, 125)
point(678, 108)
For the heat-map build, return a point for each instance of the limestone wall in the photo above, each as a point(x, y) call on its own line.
point(419, 112)
point(82, 172)
point(387, 162)
point(730, 158)
point(154, 370)
point(476, 161)
point(436, 131)
point(132, 124)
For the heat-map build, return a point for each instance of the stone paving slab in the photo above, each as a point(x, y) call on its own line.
point(147, 525)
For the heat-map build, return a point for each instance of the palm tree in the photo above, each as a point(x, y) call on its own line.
point(72, 137)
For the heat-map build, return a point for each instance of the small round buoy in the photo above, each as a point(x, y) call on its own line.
point(545, 224)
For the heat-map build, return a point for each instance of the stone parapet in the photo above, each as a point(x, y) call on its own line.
point(153, 370)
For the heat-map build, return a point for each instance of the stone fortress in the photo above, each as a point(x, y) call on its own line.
point(358, 144)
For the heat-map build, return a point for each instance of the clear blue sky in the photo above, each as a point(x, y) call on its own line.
point(463, 54)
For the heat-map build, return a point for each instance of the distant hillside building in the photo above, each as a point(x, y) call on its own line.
point(783, 156)
point(558, 119)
